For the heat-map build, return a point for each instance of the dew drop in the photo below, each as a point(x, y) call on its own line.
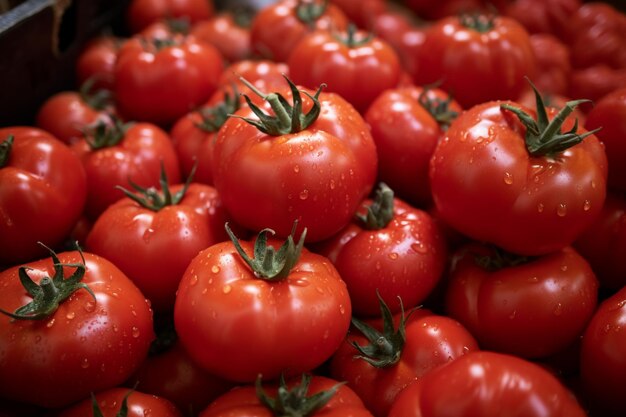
point(587, 205)
point(558, 310)
point(90, 306)
point(84, 363)
point(561, 210)
point(304, 194)
point(115, 328)
point(540, 207)
point(226, 289)
point(342, 309)
point(70, 315)
point(419, 247)
point(563, 268)
point(296, 168)
point(204, 290)
point(50, 323)
point(508, 178)
point(194, 280)
point(332, 184)
point(393, 256)
point(135, 332)
point(215, 269)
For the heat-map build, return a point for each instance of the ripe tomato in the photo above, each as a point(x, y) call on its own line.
point(547, 17)
point(141, 13)
point(406, 125)
point(113, 401)
point(229, 32)
point(96, 61)
point(277, 28)
point(519, 187)
point(510, 302)
point(596, 81)
point(354, 64)
point(117, 154)
point(477, 58)
point(314, 396)
point(392, 250)
point(94, 338)
point(161, 80)
point(43, 189)
point(362, 13)
point(230, 310)
point(487, 384)
point(553, 64)
point(602, 361)
point(316, 170)
point(386, 355)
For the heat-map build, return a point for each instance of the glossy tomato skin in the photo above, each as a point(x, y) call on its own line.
point(228, 320)
point(226, 33)
point(153, 248)
point(141, 13)
point(161, 84)
point(109, 401)
point(96, 61)
point(243, 401)
point(487, 384)
point(477, 66)
point(137, 157)
point(84, 346)
point(549, 299)
point(602, 364)
point(276, 29)
point(553, 64)
point(42, 194)
point(406, 134)
point(595, 81)
point(486, 184)
point(194, 147)
point(358, 72)
point(431, 341)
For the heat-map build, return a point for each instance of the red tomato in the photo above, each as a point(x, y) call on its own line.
point(517, 187)
point(162, 80)
point(391, 249)
point(603, 244)
point(487, 384)
point(553, 64)
point(609, 114)
point(354, 64)
point(42, 193)
point(327, 397)
point(434, 10)
point(277, 28)
point(153, 236)
point(111, 402)
point(94, 338)
point(595, 82)
point(510, 303)
point(141, 13)
point(230, 311)
point(602, 361)
point(362, 13)
point(406, 125)
point(229, 32)
point(555, 101)
point(119, 154)
point(96, 61)
point(477, 58)
point(318, 175)
point(546, 17)
point(412, 347)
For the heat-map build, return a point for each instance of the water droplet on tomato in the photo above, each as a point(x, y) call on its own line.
point(147, 235)
point(304, 194)
point(563, 268)
point(393, 256)
point(342, 309)
point(332, 184)
point(135, 332)
point(508, 178)
point(70, 315)
point(587, 205)
point(84, 363)
point(50, 323)
point(558, 310)
point(226, 289)
point(540, 207)
point(419, 247)
point(561, 210)
point(296, 168)
point(215, 269)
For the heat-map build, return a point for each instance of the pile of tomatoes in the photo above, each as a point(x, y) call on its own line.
point(348, 208)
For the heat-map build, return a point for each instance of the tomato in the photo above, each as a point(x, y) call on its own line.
point(477, 58)
point(159, 81)
point(609, 114)
point(317, 173)
point(276, 28)
point(519, 187)
point(83, 327)
point(111, 402)
point(553, 64)
point(545, 17)
point(354, 64)
point(141, 13)
point(362, 13)
point(556, 101)
point(43, 189)
point(406, 125)
point(313, 396)
point(152, 236)
point(596, 81)
point(509, 302)
point(391, 249)
point(117, 154)
point(96, 61)
point(432, 10)
point(230, 310)
point(603, 244)
point(602, 362)
point(379, 369)
point(229, 32)
point(487, 384)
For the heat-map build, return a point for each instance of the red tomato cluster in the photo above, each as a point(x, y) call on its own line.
point(323, 208)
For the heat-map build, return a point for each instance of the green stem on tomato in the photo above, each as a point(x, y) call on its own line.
point(5, 150)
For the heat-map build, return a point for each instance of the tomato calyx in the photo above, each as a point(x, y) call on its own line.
point(5, 150)
point(438, 108)
point(51, 291)
point(105, 133)
point(295, 402)
point(268, 263)
point(180, 25)
point(123, 411)
point(380, 212)
point(288, 118)
point(480, 22)
point(351, 40)
point(499, 259)
point(544, 137)
point(99, 99)
point(214, 117)
point(308, 12)
point(385, 347)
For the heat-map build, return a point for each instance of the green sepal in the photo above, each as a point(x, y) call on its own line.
point(380, 212)
point(268, 263)
point(51, 291)
point(5, 150)
point(104, 134)
point(350, 40)
point(498, 259)
point(295, 402)
point(213, 118)
point(480, 22)
point(308, 12)
point(439, 109)
point(98, 99)
point(123, 412)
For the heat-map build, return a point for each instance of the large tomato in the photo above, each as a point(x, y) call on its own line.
point(96, 61)
point(539, 16)
point(237, 299)
point(314, 167)
point(553, 64)
point(229, 32)
point(510, 303)
point(529, 186)
point(487, 384)
point(477, 58)
point(77, 325)
point(141, 13)
point(596, 81)
point(43, 189)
